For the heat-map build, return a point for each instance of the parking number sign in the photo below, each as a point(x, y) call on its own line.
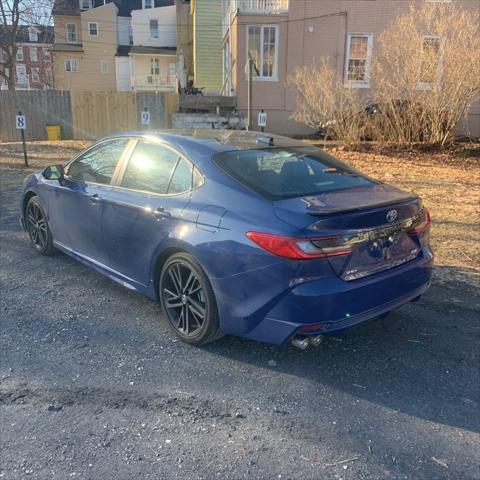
point(262, 119)
point(145, 118)
point(20, 122)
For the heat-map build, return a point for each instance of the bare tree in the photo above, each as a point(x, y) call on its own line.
point(426, 73)
point(323, 103)
point(13, 15)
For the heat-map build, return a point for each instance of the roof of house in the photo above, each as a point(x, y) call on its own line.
point(153, 50)
point(66, 47)
point(123, 50)
point(44, 34)
point(72, 7)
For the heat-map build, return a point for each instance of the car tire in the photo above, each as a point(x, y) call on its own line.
point(37, 228)
point(188, 300)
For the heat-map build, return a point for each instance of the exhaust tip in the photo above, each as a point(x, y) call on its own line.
point(301, 343)
point(304, 342)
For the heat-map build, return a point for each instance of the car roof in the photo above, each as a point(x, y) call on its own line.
point(213, 140)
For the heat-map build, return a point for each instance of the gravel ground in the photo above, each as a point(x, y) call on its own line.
point(94, 386)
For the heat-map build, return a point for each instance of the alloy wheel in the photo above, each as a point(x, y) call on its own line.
point(184, 298)
point(37, 226)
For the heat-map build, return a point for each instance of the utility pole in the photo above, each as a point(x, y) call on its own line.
point(249, 70)
point(249, 95)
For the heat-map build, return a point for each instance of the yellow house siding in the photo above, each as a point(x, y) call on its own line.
point(207, 45)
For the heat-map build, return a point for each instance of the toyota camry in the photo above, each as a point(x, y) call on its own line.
point(239, 233)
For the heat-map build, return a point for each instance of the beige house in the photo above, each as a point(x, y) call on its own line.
point(119, 45)
point(85, 47)
point(281, 35)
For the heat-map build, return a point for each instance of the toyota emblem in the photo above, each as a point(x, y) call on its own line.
point(392, 216)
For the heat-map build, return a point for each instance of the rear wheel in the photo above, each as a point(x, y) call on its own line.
point(37, 227)
point(188, 300)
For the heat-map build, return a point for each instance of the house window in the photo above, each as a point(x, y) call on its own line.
point(263, 49)
point(71, 65)
point(71, 32)
point(33, 54)
point(85, 4)
point(147, 4)
point(20, 54)
point(46, 54)
point(359, 53)
point(21, 71)
point(431, 62)
point(153, 29)
point(35, 76)
point(104, 66)
point(32, 35)
point(154, 66)
point(93, 29)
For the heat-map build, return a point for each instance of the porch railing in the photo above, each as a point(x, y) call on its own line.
point(266, 7)
point(161, 82)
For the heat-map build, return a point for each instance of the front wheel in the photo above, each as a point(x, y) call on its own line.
point(188, 300)
point(37, 227)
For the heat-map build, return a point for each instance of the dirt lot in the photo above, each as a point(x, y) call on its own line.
point(93, 385)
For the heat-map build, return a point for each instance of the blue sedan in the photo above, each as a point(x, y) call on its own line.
point(237, 233)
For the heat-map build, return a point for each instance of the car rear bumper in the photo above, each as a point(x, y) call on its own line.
point(331, 304)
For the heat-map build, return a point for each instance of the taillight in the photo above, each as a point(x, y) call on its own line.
point(424, 224)
point(301, 248)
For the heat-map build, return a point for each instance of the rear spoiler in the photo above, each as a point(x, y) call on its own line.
point(321, 213)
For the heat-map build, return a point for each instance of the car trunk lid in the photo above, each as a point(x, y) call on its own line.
point(375, 222)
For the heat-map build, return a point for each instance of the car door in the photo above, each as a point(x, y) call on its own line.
point(77, 202)
point(146, 206)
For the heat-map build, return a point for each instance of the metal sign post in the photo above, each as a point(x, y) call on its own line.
point(21, 124)
point(262, 120)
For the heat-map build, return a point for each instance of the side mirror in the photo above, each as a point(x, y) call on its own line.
point(53, 172)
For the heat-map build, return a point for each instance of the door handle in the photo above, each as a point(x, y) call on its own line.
point(160, 213)
point(95, 198)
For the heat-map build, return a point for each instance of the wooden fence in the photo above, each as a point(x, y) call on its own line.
point(41, 108)
point(83, 115)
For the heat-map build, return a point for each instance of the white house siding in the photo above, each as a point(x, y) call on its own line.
point(122, 70)
point(167, 27)
point(122, 30)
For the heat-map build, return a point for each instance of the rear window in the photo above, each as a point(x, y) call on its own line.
point(280, 173)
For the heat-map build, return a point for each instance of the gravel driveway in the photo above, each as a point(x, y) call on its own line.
point(94, 386)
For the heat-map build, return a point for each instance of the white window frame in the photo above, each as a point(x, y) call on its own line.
point(151, 31)
point(24, 74)
point(35, 76)
point(154, 66)
point(74, 25)
point(150, 2)
point(368, 61)
point(46, 53)
point(71, 62)
point(32, 35)
point(274, 77)
point(33, 57)
point(90, 30)
point(103, 66)
point(84, 4)
point(426, 86)
point(20, 55)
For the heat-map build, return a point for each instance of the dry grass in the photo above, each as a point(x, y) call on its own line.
point(448, 182)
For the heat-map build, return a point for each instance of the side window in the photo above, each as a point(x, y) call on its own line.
point(98, 164)
point(150, 168)
point(182, 177)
